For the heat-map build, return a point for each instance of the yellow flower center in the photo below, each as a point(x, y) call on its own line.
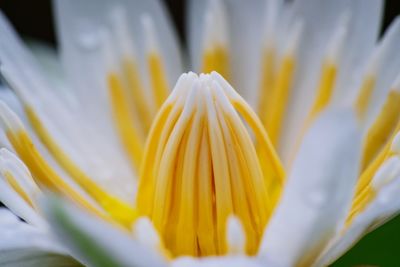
point(201, 165)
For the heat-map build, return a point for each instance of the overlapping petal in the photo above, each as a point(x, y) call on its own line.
point(23, 245)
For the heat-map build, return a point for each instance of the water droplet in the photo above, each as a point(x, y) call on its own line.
point(87, 35)
point(316, 198)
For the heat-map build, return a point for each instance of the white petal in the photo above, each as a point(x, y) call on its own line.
point(244, 36)
point(318, 192)
point(18, 205)
point(384, 64)
point(195, 16)
point(8, 96)
point(10, 198)
point(10, 122)
point(68, 125)
point(235, 237)
point(10, 163)
point(358, 45)
point(77, 23)
point(22, 245)
point(83, 36)
point(19, 62)
point(238, 261)
point(145, 233)
point(313, 47)
point(396, 144)
point(93, 240)
point(50, 62)
point(384, 207)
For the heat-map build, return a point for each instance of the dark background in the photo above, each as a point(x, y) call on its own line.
point(33, 18)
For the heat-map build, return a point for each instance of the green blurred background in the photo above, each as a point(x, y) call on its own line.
point(379, 248)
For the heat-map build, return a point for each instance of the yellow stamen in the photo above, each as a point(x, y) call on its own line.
point(221, 173)
point(215, 48)
point(365, 193)
point(235, 139)
point(15, 185)
point(364, 97)
point(158, 78)
point(144, 110)
point(273, 170)
point(216, 59)
point(42, 171)
point(382, 128)
point(186, 196)
point(360, 203)
point(279, 98)
point(206, 232)
point(147, 185)
point(274, 174)
point(201, 166)
point(267, 84)
point(130, 137)
point(324, 94)
point(325, 89)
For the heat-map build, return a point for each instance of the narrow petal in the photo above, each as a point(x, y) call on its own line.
point(318, 45)
point(196, 12)
point(22, 245)
point(9, 97)
point(129, 54)
point(18, 191)
point(358, 45)
point(245, 37)
point(79, 22)
point(242, 35)
point(318, 192)
point(385, 206)
point(379, 74)
point(94, 241)
point(47, 109)
point(48, 59)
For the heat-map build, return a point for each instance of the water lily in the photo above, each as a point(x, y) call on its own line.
point(283, 152)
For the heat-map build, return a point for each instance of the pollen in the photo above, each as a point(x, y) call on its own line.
point(201, 167)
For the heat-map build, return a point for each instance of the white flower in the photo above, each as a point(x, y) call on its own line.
point(294, 183)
